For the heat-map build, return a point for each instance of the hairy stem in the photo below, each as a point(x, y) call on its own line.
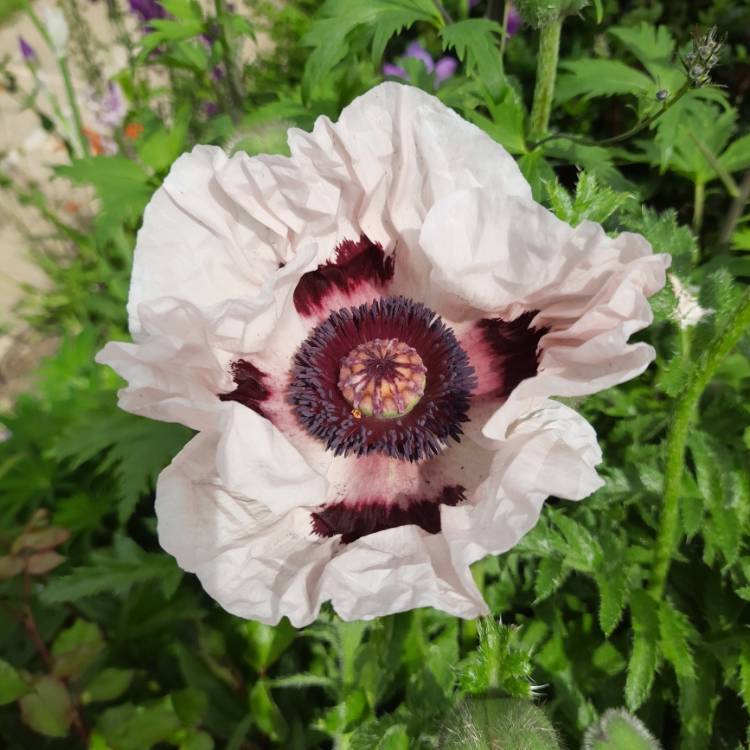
point(546, 72)
point(683, 414)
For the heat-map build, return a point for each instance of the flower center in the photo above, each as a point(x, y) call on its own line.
point(382, 378)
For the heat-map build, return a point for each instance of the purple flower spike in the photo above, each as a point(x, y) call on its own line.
point(418, 52)
point(445, 68)
point(514, 20)
point(26, 50)
point(394, 71)
point(147, 10)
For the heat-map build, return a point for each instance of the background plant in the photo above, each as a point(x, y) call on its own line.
point(637, 597)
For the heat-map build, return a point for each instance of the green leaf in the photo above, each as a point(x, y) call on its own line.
point(76, 648)
point(592, 201)
point(114, 572)
point(197, 740)
point(676, 635)
point(11, 684)
point(646, 42)
point(644, 655)
point(190, 706)
point(338, 20)
point(506, 124)
point(47, 708)
point(612, 583)
point(107, 685)
point(122, 186)
point(395, 738)
point(265, 643)
point(550, 575)
point(129, 727)
point(162, 147)
point(266, 714)
point(476, 43)
point(136, 448)
point(737, 155)
point(591, 77)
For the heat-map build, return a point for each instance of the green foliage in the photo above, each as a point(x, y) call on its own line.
point(103, 633)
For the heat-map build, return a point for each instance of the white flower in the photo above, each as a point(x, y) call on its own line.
point(367, 335)
point(688, 312)
point(57, 29)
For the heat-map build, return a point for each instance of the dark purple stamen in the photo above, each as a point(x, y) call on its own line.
point(324, 412)
point(251, 390)
point(357, 263)
point(353, 521)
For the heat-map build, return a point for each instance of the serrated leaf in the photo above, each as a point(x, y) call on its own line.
point(613, 587)
point(644, 656)
point(114, 574)
point(136, 448)
point(646, 42)
point(591, 77)
point(676, 634)
point(592, 201)
point(550, 575)
point(476, 43)
point(265, 644)
point(339, 21)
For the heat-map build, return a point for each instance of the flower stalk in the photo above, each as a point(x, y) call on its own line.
point(546, 73)
point(684, 412)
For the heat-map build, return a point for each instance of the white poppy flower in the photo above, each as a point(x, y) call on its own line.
point(367, 335)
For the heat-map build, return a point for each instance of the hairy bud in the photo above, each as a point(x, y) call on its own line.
point(618, 730)
point(498, 724)
point(541, 12)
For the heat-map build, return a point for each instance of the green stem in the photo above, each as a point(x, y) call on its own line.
point(233, 83)
point(546, 72)
point(683, 414)
point(504, 37)
point(70, 91)
point(637, 128)
point(698, 204)
point(62, 63)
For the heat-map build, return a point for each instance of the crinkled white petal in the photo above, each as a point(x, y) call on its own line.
point(255, 460)
point(552, 451)
point(263, 566)
point(400, 569)
point(196, 242)
point(497, 255)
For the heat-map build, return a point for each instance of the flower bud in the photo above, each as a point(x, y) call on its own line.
point(481, 723)
point(542, 12)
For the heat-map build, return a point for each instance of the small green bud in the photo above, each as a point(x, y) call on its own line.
point(498, 724)
point(539, 13)
point(619, 730)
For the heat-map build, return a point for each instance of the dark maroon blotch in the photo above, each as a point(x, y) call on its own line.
point(251, 390)
point(514, 347)
point(353, 521)
point(357, 262)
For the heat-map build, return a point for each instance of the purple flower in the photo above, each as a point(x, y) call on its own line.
point(211, 109)
point(443, 69)
point(147, 10)
point(513, 24)
point(28, 52)
point(110, 107)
